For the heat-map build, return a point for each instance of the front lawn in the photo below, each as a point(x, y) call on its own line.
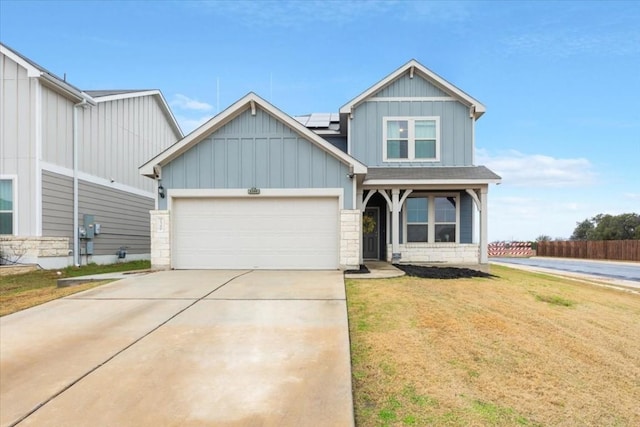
point(22, 291)
point(518, 349)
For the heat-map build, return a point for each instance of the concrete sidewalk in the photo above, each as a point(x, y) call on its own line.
point(224, 348)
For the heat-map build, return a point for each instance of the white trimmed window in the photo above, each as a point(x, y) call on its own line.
point(417, 219)
point(432, 218)
point(411, 139)
point(445, 224)
point(6, 206)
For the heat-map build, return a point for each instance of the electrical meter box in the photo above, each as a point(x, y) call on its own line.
point(89, 226)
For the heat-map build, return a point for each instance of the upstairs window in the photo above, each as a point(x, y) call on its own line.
point(6, 206)
point(411, 139)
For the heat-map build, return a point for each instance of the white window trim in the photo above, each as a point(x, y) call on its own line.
point(411, 138)
point(14, 202)
point(431, 216)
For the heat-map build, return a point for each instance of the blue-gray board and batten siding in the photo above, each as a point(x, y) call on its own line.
point(256, 151)
point(456, 126)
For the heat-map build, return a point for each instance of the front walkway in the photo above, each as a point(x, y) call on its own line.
point(377, 270)
point(224, 348)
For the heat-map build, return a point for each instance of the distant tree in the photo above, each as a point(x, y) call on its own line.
point(583, 230)
point(608, 227)
point(543, 238)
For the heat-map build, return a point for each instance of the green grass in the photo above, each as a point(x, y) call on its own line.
point(555, 300)
point(25, 290)
point(493, 352)
point(45, 278)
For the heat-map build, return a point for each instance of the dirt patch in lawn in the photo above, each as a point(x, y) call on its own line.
point(517, 349)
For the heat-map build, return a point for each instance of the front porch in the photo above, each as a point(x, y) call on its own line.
point(425, 221)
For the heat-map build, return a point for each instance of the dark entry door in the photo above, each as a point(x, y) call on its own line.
point(371, 233)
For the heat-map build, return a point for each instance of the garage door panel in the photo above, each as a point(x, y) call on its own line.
point(267, 233)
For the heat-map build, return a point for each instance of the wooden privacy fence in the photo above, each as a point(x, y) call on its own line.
point(623, 250)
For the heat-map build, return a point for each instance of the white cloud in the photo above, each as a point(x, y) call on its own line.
point(537, 170)
point(185, 103)
point(189, 124)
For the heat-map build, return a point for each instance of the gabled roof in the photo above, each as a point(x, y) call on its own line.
point(250, 101)
point(414, 67)
point(90, 96)
point(35, 70)
point(99, 93)
point(113, 95)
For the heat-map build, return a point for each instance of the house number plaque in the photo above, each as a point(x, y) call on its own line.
point(253, 190)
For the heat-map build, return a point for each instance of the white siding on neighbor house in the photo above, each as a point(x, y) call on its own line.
point(119, 135)
point(57, 129)
point(17, 140)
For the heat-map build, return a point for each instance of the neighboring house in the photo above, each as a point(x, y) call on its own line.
point(256, 188)
point(70, 191)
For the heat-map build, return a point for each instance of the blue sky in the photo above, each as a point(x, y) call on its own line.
point(560, 80)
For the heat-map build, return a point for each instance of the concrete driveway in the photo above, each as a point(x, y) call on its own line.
point(223, 348)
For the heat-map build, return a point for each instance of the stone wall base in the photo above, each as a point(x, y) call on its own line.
point(440, 253)
point(350, 232)
point(33, 250)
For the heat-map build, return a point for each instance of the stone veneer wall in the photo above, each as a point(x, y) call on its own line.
point(28, 250)
point(160, 240)
point(449, 253)
point(350, 229)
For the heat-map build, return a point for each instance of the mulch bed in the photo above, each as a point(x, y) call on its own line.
point(440, 272)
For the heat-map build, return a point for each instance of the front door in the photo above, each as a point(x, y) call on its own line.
point(371, 233)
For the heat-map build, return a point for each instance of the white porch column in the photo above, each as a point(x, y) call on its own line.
point(360, 207)
point(395, 225)
point(484, 258)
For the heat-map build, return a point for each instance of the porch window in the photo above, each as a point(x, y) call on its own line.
point(411, 139)
point(445, 223)
point(431, 218)
point(6, 206)
point(417, 219)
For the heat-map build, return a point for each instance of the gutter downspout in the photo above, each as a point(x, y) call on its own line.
point(76, 142)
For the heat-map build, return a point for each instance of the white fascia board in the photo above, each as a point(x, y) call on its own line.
point(424, 72)
point(126, 95)
point(54, 82)
point(83, 176)
point(388, 183)
point(155, 92)
point(229, 114)
point(31, 70)
point(66, 89)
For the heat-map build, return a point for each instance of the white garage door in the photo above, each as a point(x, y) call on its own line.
point(255, 233)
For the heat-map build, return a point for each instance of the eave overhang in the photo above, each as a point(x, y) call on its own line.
point(250, 101)
point(412, 68)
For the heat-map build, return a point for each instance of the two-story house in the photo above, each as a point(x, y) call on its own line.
point(70, 191)
point(390, 177)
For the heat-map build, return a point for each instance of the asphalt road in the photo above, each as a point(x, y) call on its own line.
point(627, 271)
